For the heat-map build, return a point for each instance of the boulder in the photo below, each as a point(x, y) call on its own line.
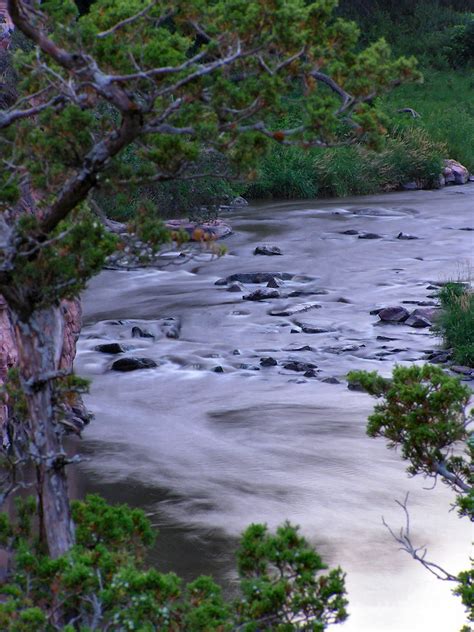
point(110, 347)
point(268, 361)
point(269, 251)
point(300, 367)
point(394, 314)
point(133, 364)
point(454, 172)
point(239, 201)
point(420, 318)
point(236, 287)
point(138, 332)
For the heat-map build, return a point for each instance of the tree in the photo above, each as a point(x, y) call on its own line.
point(103, 583)
point(131, 91)
point(424, 412)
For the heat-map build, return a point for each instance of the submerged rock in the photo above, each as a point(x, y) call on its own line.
point(254, 277)
point(133, 364)
point(138, 332)
point(269, 251)
point(300, 367)
point(110, 347)
point(262, 294)
point(268, 361)
point(294, 309)
point(369, 236)
point(307, 328)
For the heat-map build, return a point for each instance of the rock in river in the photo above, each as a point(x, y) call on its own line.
point(294, 309)
point(393, 314)
point(267, 250)
point(110, 347)
point(254, 277)
point(133, 364)
point(300, 367)
point(269, 361)
point(262, 294)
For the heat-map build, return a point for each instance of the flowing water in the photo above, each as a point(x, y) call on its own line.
point(207, 452)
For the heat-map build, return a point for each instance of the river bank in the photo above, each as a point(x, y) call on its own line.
point(209, 451)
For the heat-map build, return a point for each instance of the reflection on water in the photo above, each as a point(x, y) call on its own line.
point(206, 453)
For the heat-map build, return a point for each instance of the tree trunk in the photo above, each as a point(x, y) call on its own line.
point(39, 341)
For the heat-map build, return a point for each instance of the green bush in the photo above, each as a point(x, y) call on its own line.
point(103, 583)
point(456, 323)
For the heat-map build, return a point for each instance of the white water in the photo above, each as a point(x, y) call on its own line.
point(211, 452)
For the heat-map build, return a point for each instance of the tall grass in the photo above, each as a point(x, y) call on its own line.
point(290, 172)
point(456, 323)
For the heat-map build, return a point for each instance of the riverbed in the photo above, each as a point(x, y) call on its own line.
point(210, 440)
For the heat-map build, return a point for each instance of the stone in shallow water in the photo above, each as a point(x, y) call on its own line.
point(110, 347)
point(236, 287)
point(218, 369)
point(262, 294)
point(370, 236)
point(394, 314)
point(254, 277)
point(268, 361)
point(331, 380)
point(133, 364)
point(294, 309)
point(300, 367)
point(351, 231)
point(269, 251)
point(406, 236)
point(138, 332)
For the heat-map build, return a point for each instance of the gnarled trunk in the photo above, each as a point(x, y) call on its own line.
point(39, 339)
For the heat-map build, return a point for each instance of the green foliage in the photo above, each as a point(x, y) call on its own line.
point(280, 585)
point(103, 583)
point(422, 412)
point(456, 323)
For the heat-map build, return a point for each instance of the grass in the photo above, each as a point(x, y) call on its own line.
point(456, 323)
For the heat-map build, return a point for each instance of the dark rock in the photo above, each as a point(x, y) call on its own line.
point(171, 327)
point(418, 316)
point(356, 386)
point(303, 348)
point(268, 361)
point(386, 338)
point(410, 186)
point(274, 283)
point(267, 250)
point(310, 373)
point(111, 347)
point(300, 367)
point(331, 380)
point(236, 352)
point(341, 299)
point(462, 370)
point(406, 236)
point(254, 277)
point(369, 236)
point(262, 294)
point(375, 312)
point(467, 228)
point(133, 364)
point(297, 293)
point(439, 357)
point(395, 314)
point(249, 367)
point(218, 369)
point(351, 231)
point(239, 201)
point(432, 287)
point(138, 332)
point(294, 309)
point(418, 321)
point(307, 328)
point(236, 287)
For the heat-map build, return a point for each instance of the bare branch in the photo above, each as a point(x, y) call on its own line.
point(417, 553)
point(8, 118)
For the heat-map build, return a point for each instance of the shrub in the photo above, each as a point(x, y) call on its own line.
point(456, 323)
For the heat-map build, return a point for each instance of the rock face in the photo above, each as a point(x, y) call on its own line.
point(393, 314)
point(269, 251)
point(133, 364)
point(454, 172)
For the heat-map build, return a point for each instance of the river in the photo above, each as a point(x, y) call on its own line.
point(206, 452)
